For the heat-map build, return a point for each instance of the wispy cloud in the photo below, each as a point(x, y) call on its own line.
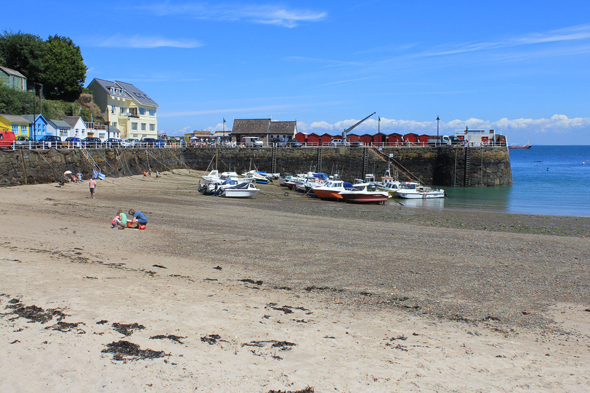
point(262, 14)
point(348, 80)
point(143, 42)
point(268, 109)
point(574, 33)
point(326, 62)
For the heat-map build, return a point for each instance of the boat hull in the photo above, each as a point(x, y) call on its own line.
point(327, 194)
point(365, 198)
point(420, 195)
point(235, 193)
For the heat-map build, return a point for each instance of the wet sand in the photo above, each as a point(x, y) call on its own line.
point(283, 293)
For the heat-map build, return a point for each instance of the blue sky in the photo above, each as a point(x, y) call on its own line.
point(520, 67)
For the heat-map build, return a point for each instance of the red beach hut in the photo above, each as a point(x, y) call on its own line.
point(395, 139)
point(411, 138)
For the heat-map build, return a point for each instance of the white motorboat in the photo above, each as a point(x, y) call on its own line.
point(413, 190)
point(389, 184)
point(365, 193)
point(242, 190)
point(256, 177)
point(212, 177)
point(331, 189)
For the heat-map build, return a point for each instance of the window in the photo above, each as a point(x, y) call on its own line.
point(134, 135)
point(152, 127)
point(15, 128)
point(113, 109)
point(122, 110)
point(133, 111)
point(152, 112)
point(142, 111)
point(63, 132)
point(134, 126)
point(143, 127)
point(23, 129)
point(114, 124)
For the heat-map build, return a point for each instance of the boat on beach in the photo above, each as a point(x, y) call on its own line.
point(331, 189)
point(413, 190)
point(365, 193)
point(242, 190)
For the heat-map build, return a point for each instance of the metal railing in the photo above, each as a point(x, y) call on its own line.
point(32, 145)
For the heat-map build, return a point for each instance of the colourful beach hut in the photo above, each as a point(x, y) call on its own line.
point(325, 139)
point(423, 139)
point(301, 137)
point(411, 138)
point(394, 139)
point(367, 139)
point(379, 139)
point(313, 139)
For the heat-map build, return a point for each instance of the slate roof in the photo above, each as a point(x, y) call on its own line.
point(10, 71)
point(282, 127)
point(137, 94)
point(125, 90)
point(31, 118)
point(60, 124)
point(72, 120)
point(112, 88)
point(250, 126)
point(15, 118)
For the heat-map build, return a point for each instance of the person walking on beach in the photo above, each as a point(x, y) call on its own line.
point(92, 185)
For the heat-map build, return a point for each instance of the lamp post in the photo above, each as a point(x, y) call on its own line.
point(378, 124)
point(437, 137)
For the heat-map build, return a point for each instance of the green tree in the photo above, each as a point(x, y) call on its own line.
point(23, 53)
point(64, 70)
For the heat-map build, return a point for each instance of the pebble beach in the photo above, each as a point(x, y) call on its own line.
point(284, 293)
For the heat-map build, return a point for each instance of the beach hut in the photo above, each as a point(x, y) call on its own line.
point(325, 139)
point(313, 139)
point(379, 139)
point(394, 139)
point(301, 137)
point(411, 138)
point(353, 138)
point(367, 139)
point(423, 139)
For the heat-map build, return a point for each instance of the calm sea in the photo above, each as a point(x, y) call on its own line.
point(548, 180)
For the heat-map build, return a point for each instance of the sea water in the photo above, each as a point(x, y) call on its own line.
point(547, 180)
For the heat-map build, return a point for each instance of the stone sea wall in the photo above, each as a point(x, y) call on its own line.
point(442, 166)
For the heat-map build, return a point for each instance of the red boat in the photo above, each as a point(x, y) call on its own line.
point(365, 193)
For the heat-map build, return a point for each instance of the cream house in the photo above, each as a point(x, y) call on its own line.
point(126, 108)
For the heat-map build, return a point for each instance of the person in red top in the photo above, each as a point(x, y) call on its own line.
point(92, 185)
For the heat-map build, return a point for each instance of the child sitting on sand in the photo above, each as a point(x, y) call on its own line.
point(120, 220)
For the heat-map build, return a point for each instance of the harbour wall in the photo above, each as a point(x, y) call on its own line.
point(441, 166)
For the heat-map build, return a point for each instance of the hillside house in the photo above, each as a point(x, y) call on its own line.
point(128, 109)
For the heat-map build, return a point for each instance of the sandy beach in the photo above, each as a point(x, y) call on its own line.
point(284, 293)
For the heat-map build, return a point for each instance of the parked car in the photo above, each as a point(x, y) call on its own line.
point(134, 142)
point(152, 142)
point(7, 139)
point(24, 142)
point(91, 141)
point(49, 141)
point(73, 141)
point(340, 142)
point(357, 144)
point(112, 142)
point(293, 143)
point(125, 143)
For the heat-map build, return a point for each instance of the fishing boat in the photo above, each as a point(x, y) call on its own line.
point(242, 190)
point(331, 189)
point(413, 190)
point(514, 146)
point(365, 193)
